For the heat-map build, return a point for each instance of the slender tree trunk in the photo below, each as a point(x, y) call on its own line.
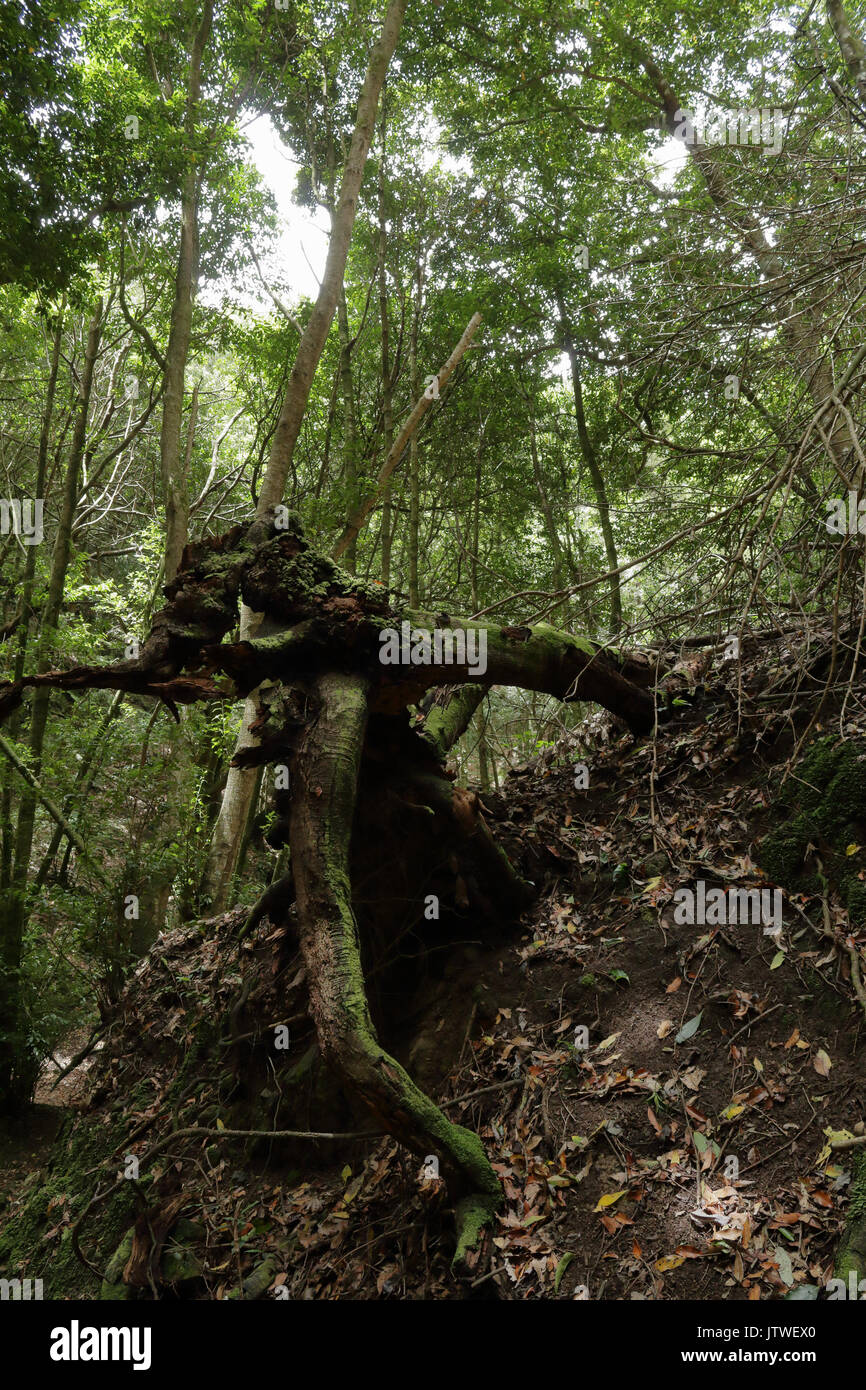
point(84, 779)
point(483, 773)
point(402, 441)
point(16, 1068)
point(350, 434)
point(387, 382)
point(553, 539)
point(796, 313)
point(27, 592)
point(850, 46)
point(174, 478)
point(150, 870)
point(313, 341)
point(596, 477)
point(414, 461)
point(240, 785)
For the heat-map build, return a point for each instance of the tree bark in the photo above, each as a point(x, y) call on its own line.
point(599, 486)
point(850, 46)
point(350, 433)
point(399, 447)
point(229, 828)
point(16, 1068)
point(326, 778)
point(387, 380)
point(175, 482)
point(320, 681)
point(795, 311)
point(313, 341)
point(414, 466)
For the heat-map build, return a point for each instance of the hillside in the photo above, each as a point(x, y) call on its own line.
point(678, 1150)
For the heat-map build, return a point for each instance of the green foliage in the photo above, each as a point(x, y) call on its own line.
point(516, 169)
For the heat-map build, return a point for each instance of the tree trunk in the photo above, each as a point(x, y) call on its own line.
point(387, 381)
point(313, 341)
point(850, 46)
point(232, 817)
point(795, 312)
point(414, 465)
point(597, 478)
point(174, 476)
point(17, 1067)
point(350, 433)
point(326, 702)
point(27, 613)
point(326, 778)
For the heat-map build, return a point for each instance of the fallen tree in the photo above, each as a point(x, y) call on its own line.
point(364, 775)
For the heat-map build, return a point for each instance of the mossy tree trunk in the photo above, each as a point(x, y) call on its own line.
point(327, 765)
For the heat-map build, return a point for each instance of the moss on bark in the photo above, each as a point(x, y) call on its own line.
point(851, 1255)
point(823, 805)
point(67, 1182)
point(326, 774)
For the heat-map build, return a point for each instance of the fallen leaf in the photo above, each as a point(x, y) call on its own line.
point(689, 1029)
point(668, 1262)
point(821, 1062)
point(560, 1270)
point(608, 1199)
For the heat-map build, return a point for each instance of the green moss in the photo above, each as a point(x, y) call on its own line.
point(471, 1215)
point(825, 803)
point(180, 1264)
point(113, 1287)
point(582, 644)
point(257, 1284)
point(116, 1265)
point(857, 1203)
point(78, 1155)
point(781, 853)
point(851, 1256)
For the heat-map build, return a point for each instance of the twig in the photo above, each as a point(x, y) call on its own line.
point(54, 812)
point(752, 1021)
point(167, 1139)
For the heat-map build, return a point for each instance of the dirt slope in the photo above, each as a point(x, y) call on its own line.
point(654, 1094)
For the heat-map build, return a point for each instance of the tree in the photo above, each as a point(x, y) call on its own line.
point(327, 655)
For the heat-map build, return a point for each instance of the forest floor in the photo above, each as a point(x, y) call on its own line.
point(675, 1150)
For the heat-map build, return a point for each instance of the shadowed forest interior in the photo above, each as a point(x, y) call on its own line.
point(432, 608)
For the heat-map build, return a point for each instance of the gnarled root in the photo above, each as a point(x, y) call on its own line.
point(325, 788)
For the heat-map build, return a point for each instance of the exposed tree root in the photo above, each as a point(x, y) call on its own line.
point(326, 768)
point(317, 661)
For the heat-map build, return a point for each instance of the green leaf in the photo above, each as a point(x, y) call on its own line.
point(560, 1271)
point(689, 1029)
